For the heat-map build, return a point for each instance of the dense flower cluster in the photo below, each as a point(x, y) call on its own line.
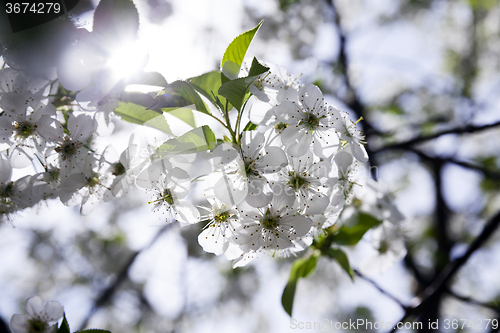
point(272, 193)
point(270, 188)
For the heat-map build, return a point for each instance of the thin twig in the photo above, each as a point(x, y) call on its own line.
point(383, 291)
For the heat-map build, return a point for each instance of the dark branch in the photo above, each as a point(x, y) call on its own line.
point(122, 276)
point(420, 139)
point(440, 283)
point(486, 172)
point(495, 308)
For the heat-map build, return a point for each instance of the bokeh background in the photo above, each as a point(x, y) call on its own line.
point(423, 74)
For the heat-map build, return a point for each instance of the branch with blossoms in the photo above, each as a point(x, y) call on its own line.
point(277, 181)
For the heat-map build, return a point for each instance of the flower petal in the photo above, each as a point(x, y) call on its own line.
point(19, 324)
point(34, 306)
point(54, 310)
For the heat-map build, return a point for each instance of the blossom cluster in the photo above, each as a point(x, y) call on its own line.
point(271, 192)
point(57, 143)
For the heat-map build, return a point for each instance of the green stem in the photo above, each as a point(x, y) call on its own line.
point(233, 133)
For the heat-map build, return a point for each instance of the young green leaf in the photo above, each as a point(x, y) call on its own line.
point(197, 140)
point(342, 259)
point(236, 90)
point(237, 49)
point(179, 94)
point(184, 114)
point(138, 114)
point(64, 328)
point(302, 267)
point(351, 235)
point(208, 85)
point(257, 68)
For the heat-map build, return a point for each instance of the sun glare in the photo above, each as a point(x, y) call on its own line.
point(128, 59)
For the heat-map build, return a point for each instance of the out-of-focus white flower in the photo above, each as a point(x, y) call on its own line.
point(88, 188)
point(29, 132)
point(17, 88)
point(389, 242)
point(343, 162)
point(72, 150)
point(37, 318)
point(377, 200)
point(103, 97)
point(128, 166)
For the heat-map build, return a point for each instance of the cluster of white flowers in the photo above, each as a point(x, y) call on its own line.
point(273, 192)
point(281, 185)
point(59, 144)
point(287, 180)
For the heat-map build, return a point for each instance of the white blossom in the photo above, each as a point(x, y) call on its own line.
point(219, 231)
point(272, 227)
point(37, 318)
point(169, 186)
point(349, 133)
point(308, 123)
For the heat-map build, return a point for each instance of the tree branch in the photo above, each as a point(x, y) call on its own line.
point(486, 172)
point(440, 283)
point(463, 130)
point(495, 308)
point(351, 98)
point(122, 276)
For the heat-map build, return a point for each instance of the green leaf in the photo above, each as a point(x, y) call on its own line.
point(302, 267)
point(257, 68)
point(64, 328)
point(148, 79)
point(208, 85)
point(179, 94)
point(237, 49)
point(184, 114)
point(197, 140)
point(250, 126)
point(116, 20)
point(138, 114)
point(351, 235)
point(236, 90)
point(342, 259)
point(309, 265)
point(93, 330)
